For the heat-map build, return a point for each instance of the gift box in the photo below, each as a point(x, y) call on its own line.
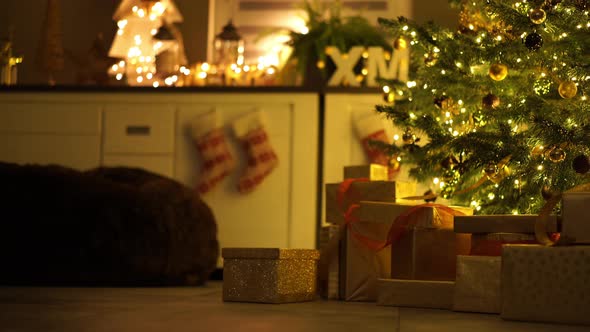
point(546, 284)
point(330, 287)
point(415, 293)
point(477, 287)
point(428, 248)
point(490, 244)
point(522, 223)
point(269, 275)
point(575, 227)
point(339, 198)
point(372, 172)
point(360, 265)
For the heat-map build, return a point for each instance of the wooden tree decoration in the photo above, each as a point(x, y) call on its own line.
point(50, 52)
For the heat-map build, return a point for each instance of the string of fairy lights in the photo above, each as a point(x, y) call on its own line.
point(548, 77)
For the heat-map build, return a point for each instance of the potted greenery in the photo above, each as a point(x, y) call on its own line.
point(309, 55)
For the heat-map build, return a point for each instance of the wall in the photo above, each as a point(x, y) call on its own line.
point(82, 20)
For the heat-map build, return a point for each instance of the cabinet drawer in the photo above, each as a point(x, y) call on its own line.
point(80, 152)
point(139, 129)
point(163, 165)
point(47, 118)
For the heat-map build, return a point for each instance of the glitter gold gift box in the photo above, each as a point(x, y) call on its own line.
point(269, 275)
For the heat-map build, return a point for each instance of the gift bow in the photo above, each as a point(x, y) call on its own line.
point(543, 220)
point(400, 225)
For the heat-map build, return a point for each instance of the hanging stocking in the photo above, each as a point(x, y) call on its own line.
point(370, 128)
point(207, 131)
point(260, 154)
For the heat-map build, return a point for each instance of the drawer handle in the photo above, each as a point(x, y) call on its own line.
point(138, 130)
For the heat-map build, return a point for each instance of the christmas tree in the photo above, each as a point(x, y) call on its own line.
point(496, 114)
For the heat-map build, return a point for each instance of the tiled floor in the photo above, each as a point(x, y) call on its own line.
point(201, 309)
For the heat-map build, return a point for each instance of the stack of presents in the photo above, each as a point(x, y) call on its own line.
point(379, 247)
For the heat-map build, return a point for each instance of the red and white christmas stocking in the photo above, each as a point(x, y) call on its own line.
point(370, 128)
point(262, 159)
point(217, 160)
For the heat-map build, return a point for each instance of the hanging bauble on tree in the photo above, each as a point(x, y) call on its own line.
point(556, 154)
point(400, 44)
point(443, 102)
point(449, 162)
point(537, 16)
point(537, 150)
point(389, 97)
point(498, 71)
point(581, 164)
point(490, 101)
point(430, 60)
point(533, 41)
point(567, 89)
point(408, 137)
point(491, 169)
point(546, 193)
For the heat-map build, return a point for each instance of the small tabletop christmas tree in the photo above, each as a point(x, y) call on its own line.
point(497, 115)
point(136, 42)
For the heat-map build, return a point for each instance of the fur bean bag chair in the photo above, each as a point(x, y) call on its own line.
point(103, 227)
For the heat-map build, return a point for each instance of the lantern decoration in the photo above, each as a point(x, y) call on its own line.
point(8, 62)
point(228, 47)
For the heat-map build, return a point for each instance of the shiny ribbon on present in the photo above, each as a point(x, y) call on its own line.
point(474, 186)
point(344, 190)
point(400, 225)
point(541, 233)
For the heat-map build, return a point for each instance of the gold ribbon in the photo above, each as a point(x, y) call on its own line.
point(479, 182)
point(543, 218)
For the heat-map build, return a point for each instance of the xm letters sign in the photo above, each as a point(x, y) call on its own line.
point(378, 64)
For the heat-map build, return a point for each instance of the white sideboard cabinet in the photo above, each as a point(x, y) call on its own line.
point(151, 130)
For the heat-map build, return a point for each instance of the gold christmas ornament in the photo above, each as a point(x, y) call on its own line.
point(546, 193)
point(408, 137)
point(537, 16)
point(490, 101)
point(556, 155)
point(443, 102)
point(498, 71)
point(400, 44)
point(567, 89)
point(430, 60)
point(537, 150)
point(389, 97)
point(490, 170)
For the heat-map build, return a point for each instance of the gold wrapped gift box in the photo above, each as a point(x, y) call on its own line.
point(415, 293)
point(477, 288)
point(269, 275)
point(429, 247)
point(546, 284)
point(373, 172)
point(427, 250)
point(576, 220)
